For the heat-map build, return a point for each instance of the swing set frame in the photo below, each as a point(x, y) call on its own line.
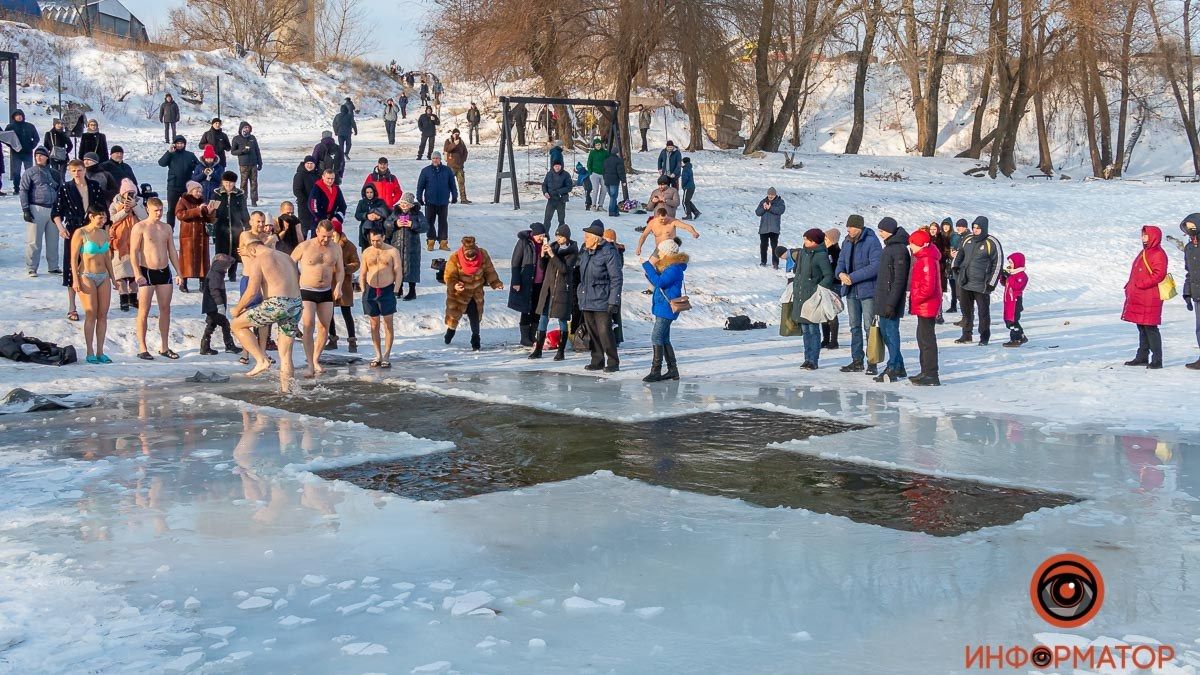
point(506, 141)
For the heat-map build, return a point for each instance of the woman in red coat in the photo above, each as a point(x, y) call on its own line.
point(1143, 304)
point(925, 300)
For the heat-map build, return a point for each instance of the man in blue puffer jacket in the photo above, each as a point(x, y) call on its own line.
point(857, 268)
point(599, 295)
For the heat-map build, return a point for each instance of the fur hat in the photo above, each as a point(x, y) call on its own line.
point(668, 247)
point(815, 235)
point(193, 185)
point(407, 198)
point(888, 224)
point(596, 228)
point(919, 238)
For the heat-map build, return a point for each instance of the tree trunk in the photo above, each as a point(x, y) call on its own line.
point(1122, 114)
point(870, 24)
point(691, 102)
point(933, 81)
point(985, 89)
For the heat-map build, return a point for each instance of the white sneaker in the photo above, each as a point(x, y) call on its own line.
point(31, 274)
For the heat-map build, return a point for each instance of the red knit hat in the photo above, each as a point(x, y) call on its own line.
point(919, 238)
point(815, 236)
point(209, 153)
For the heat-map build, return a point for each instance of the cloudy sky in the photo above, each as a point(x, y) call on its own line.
point(396, 25)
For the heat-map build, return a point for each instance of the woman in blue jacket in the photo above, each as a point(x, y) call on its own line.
point(665, 271)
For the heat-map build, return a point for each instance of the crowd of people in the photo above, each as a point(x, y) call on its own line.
point(296, 266)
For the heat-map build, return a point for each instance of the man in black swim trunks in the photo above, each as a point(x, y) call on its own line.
point(321, 273)
point(380, 281)
point(152, 248)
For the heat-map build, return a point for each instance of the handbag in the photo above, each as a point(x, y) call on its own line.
point(823, 305)
point(875, 344)
point(1166, 287)
point(680, 304)
point(59, 154)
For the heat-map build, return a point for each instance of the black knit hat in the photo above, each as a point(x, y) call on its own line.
point(116, 148)
point(229, 176)
point(815, 235)
point(888, 224)
point(537, 228)
point(563, 231)
point(961, 222)
point(855, 221)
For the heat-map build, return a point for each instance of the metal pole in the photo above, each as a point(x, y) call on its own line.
point(12, 83)
point(219, 96)
point(60, 110)
point(504, 140)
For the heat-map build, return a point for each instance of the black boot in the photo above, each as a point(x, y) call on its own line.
point(966, 339)
point(926, 380)
point(852, 367)
point(353, 348)
point(562, 349)
point(230, 346)
point(332, 341)
point(1141, 359)
point(655, 366)
point(474, 342)
point(184, 287)
point(412, 292)
point(124, 302)
point(872, 369)
point(526, 335)
point(449, 332)
point(672, 372)
point(538, 343)
point(133, 300)
point(206, 342)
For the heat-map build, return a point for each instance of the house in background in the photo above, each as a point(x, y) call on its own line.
point(103, 16)
point(20, 9)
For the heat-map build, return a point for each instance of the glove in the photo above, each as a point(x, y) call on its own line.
point(887, 314)
point(1187, 300)
point(28, 216)
point(613, 309)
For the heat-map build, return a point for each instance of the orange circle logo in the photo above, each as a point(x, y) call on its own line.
point(1067, 590)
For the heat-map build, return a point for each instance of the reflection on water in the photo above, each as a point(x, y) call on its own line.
point(502, 447)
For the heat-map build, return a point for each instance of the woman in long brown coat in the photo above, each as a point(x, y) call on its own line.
point(467, 272)
point(350, 264)
point(192, 217)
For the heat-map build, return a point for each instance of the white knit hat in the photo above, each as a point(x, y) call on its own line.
point(668, 247)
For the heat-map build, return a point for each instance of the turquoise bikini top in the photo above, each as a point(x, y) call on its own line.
point(92, 248)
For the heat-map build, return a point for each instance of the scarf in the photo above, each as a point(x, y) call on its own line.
point(469, 267)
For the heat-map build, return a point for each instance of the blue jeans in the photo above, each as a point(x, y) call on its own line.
point(661, 334)
point(812, 342)
point(890, 328)
point(612, 199)
point(544, 324)
point(861, 312)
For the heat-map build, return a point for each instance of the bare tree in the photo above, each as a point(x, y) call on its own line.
point(869, 13)
point(343, 29)
point(1173, 52)
point(264, 28)
point(920, 39)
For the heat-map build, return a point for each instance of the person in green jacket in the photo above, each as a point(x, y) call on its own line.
point(595, 168)
point(812, 270)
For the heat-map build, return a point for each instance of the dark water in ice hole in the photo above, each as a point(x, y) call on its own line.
point(503, 447)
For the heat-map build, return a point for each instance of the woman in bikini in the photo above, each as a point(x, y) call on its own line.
point(93, 279)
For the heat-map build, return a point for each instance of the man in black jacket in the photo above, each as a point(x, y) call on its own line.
point(556, 188)
point(614, 175)
point(116, 166)
point(427, 124)
point(245, 148)
point(344, 126)
point(1191, 265)
point(180, 163)
point(218, 139)
point(977, 269)
point(302, 187)
point(168, 114)
point(891, 287)
point(28, 135)
point(519, 117)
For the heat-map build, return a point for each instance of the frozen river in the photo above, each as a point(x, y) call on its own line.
point(205, 530)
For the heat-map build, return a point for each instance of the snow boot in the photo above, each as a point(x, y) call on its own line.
point(672, 372)
point(562, 350)
point(206, 343)
point(331, 342)
point(612, 367)
point(474, 342)
point(926, 380)
point(966, 339)
point(353, 348)
point(527, 336)
point(1138, 360)
point(124, 302)
point(852, 367)
point(444, 245)
point(538, 344)
point(412, 292)
point(655, 366)
point(449, 335)
point(428, 242)
point(230, 346)
point(872, 369)
point(133, 300)
point(890, 375)
point(808, 365)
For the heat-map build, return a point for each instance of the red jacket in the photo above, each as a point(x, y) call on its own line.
point(387, 187)
point(925, 282)
point(1143, 305)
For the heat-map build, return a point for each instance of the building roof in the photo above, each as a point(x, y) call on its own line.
point(65, 11)
point(29, 7)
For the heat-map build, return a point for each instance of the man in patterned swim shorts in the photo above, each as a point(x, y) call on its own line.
point(272, 275)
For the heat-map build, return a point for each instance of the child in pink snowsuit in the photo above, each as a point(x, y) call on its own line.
point(1014, 280)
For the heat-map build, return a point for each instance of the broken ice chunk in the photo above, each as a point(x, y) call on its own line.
point(319, 600)
point(611, 604)
point(441, 586)
point(435, 667)
point(801, 636)
point(254, 604)
point(221, 632)
point(292, 621)
point(579, 605)
point(537, 645)
point(191, 604)
point(344, 585)
point(403, 586)
point(313, 580)
point(468, 603)
point(648, 612)
point(185, 663)
point(364, 649)
point(267, 591)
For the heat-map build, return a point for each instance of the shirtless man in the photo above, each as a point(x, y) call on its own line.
point(152, 249)
point(380, 284)
point(663, 228)
point(273, 276)
point(321, 272)
point(261, 229)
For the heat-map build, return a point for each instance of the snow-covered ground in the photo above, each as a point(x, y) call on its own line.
point(113, 518)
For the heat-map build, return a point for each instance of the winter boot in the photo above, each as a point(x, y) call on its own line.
point(444, 245)
point(926, 380)
point(966, 339)
point(124, 302)
point(428, 242)
point(672, 372)
point(474, 342)
point(539, 342)
point(1139, 360)
point(230, 346)
point(872, 369)
point(353, 348)
point(133, 300)
point(184, 287)
point(449, 335)
point(852, 367)
point(612, 367)
point(527, 336)
point(206, 343)
point(412, 292)
point(562, 350)
point(655, 366)
point(332, 341)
